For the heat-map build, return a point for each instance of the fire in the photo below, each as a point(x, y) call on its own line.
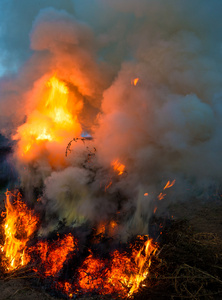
point(54, 120)
point(134, 81)
point(169, 184)
point(91, 275)
point(109, 228)
point(161, 196)
point(101, 229)
point(55, 254)
point(141, 261)
point(19, 224)
point(121, 274)
point(117, 166)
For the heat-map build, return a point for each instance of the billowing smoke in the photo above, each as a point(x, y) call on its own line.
point(165, 126)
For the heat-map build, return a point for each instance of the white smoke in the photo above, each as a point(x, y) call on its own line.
point(165, 127)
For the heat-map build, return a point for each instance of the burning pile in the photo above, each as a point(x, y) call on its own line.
point(72, 265)
point(121, 273)
point(116, 101)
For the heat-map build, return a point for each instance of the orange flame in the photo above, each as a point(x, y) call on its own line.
point(19, 224)
point(66, 287)
point(108, 228)
point(101, 229)
point(90, 278)
point(169, 184)
point(122, 275)
point(55, 254)
point(141, 260)
point(161, 196)
point(117, 166)
point(134, 81)
point(54, 120)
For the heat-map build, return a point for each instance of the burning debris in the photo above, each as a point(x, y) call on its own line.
point(118, 274)
point(116, 112)
point(19, 225)
point(183, 264)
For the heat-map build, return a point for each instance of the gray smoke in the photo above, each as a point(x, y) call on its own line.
point(167, 126)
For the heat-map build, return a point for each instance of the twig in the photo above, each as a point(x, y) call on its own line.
point(205, 273)
point(17, 291)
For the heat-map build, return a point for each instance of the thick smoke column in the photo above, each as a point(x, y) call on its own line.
point(167, 126)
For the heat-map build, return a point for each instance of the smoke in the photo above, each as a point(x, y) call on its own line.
point(165, 127)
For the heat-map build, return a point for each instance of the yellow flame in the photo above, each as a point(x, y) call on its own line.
point(56, 104)
point(19, 225)
point(54, 120)
point(134, 81)
point(117, 166)
point(141, 260)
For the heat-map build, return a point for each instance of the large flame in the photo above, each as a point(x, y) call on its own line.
point(121, 273)
point(19, 224)
point(54, 120)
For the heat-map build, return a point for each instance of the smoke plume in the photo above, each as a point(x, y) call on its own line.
point(165, 126)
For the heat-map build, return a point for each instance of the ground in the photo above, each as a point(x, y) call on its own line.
point(202, 216)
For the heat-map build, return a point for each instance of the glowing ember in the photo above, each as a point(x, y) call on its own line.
point(19, 224)
point(161, 196)
point(122, 274)
point(134, 81)
point(101, 229)
point(117, 166)
point(169, 184)
point(113, 224)
point(54, 120)
point(66, 288)
point(108, 185)
point(109, 228)
point(55, 254)
point(91, 275)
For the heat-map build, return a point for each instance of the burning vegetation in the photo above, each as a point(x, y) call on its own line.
point(140, 269)
point(119, 273)
point(100, 263)
point(19, 224)
point(84, 256)
point(109, 122)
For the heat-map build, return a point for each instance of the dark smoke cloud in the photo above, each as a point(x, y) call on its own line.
point(168, 126)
